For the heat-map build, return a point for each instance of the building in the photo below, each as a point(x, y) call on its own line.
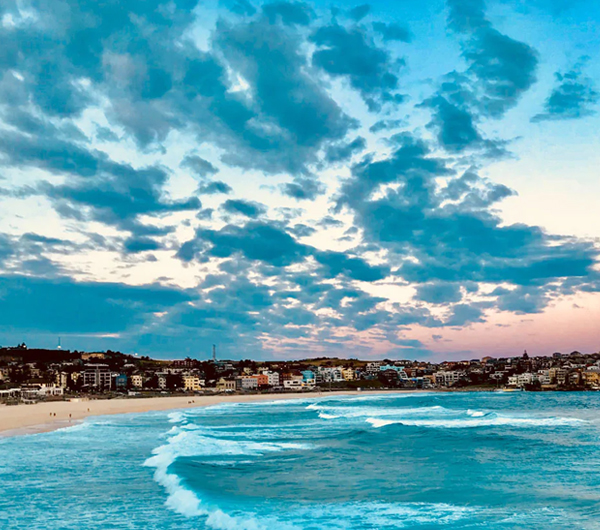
point(273, 378)
point(97, 376)
point(349, 374)
point(37, 390)
point(591, 379)
point(226, 385)
point(448, 378)
point(92, 355)
point(192, 383)
point(120, 381)
point(308, 379)
point(162, 380)
point(293, 381)
point(402, 375)
point(137, 381)
point(247, 382)
point(63, 379)
point(262, 380)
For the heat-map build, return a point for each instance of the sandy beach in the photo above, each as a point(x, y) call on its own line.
point(47, 416)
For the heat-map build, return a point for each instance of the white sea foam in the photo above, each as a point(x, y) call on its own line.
point(326, 416)
point(360, 412)
point(461, 423)
point(185, 442)
point(476, 413)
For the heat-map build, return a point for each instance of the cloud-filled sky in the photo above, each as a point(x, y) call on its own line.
point(288, 179)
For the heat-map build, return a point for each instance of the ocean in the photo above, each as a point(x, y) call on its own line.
point(416, 460)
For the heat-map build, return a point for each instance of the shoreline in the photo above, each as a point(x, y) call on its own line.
point(19, 420)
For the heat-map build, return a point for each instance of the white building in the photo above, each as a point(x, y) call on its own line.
point(31, 391)
point(448, 378)
point(294, 382)
point(274, 379)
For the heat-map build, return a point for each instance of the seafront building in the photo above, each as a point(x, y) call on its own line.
point(32, 375)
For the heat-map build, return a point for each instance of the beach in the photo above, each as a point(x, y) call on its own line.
point(48, 416)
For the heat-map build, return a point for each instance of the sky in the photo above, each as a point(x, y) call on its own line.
point(405, 180)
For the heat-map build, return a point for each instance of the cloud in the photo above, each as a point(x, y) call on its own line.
point(62, 305)
point(501, 68)
point(392, 32)
point(242, 207)
point(464, 314)
point(359, 12)
point(343, 152)
point(290, 13)
point(454, 124)
point(135, 245)
point(337, 263)
point(274, 246)
point(446, 235)
point(351, 53)
point(384, 125)
point(117, 195)
point(303, 188)
point(215, 187)
point(255, 241)
point(202, 168)
point(284, 131)
point(573, 97)
point(439, 293)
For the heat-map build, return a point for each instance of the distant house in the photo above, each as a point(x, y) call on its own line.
point(293, 381)
point(93, 355)
point(226, 385)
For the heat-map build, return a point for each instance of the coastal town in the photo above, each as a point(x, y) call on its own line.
point(30, 375)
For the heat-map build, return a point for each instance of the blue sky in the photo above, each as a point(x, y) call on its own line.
point(290, 179)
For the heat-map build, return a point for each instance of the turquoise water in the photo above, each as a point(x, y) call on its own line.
point(425, 461)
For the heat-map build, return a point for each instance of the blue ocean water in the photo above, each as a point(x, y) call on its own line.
point(421, 460)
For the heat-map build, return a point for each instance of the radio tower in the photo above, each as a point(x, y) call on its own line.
point(214, 353)
point(59, 347)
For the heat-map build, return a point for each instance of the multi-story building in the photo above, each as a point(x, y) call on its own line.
point(308, 379)
point(592, 379)
point(293, 381)
point(137, 380)
point(162, 380)
point(247, 382)
point(349, 374)
point(272, 378)
point(544, 377)
point(120, 381)
point(97, 376)
point(448, 378)
point(192, 383)
point(226, 385)
point(373, 367)
point(402, 375)
point(62, 379)
point(262, 380)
